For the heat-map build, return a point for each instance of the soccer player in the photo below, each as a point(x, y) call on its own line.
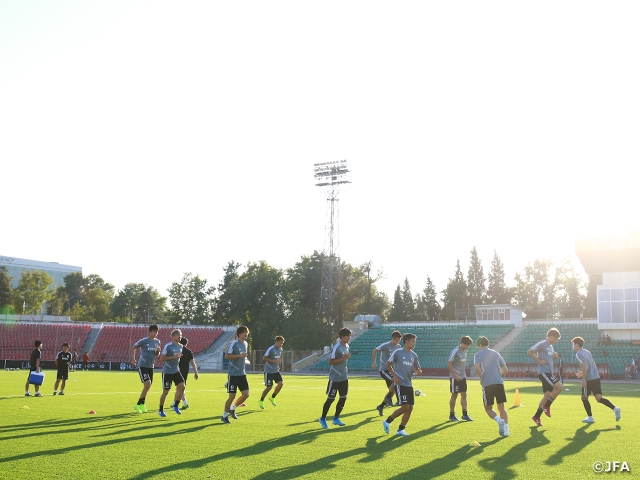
point(272, 360)
point(402, 364)
point(386, 349)
point(590, 380)
point(149, 350)
point(171, 354)
point(34, 366)
point(542, 352)
point(74, 361)
point(63, 360)
point(338, 378)
point(458, 378)
point(237, 379)
point(185, 360)
point(491, 368)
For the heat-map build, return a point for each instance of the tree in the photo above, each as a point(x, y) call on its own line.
point(397, 310)
point(5, 291)
point(476, 287)
point(32, 292)
point(371, 279)
point(571, 291)
point(139, 303)
point(222, 309)
point(455, 295)
point(408, 306)
point(83, 298)
point(429, 299)
point(192, 300)
point(536, 288)
point(497, 291)
point(590, 302)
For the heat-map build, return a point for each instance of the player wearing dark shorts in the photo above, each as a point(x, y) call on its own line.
point(237, 379)
point(543, 353)
point(458, 378)
point(338, 378)
point(185, 360)
point(34, 366)
point(491, 368)
point(590, 380)
point(386, 349)
point(63, 360)
point(149, 350)
point(402, 364)
point(272, 360)
point(171, 354)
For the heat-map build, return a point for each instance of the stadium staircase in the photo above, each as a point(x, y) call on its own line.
point(212, 358)
point(507, 339)
point(91, 341)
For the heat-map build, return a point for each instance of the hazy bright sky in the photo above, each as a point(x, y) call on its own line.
point(141, 140)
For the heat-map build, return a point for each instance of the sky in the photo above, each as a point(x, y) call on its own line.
point(144, 140)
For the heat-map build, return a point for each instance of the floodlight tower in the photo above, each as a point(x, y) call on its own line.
point(330, 175)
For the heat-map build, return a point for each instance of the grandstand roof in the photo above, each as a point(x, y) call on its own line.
point(611, 254)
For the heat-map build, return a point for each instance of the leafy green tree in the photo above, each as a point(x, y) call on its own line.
point(139, 303)
point(409, 308)
point(32, 292)
point(6, 291)
point(571, 292)
point(454, 295)
point(222, 309)
point(535, 289)
point(83, 298)
point(192, 300)
point(497, 291)
point(476, 281)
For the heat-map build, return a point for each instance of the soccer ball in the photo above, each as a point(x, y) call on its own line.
point(418, 393)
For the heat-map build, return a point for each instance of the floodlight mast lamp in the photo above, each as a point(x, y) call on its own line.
point(330, 175)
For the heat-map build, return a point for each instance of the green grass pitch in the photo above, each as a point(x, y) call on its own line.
point(57, 438)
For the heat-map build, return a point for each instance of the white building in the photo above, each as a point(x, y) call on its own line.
point(16, 266)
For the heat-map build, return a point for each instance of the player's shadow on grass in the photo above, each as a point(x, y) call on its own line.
point(169, 433)
point(583, 437)
point(89, 420)
point(329, 418)
point(257, 450)
point(501, 466)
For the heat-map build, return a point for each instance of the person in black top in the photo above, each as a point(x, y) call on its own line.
point(63, 359)
point(74, 361)
point(187, 357)
point(34, 366)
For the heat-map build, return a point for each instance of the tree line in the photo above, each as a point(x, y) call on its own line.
point(273, 301)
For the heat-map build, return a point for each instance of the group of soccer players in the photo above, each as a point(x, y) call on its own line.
point(398, 364)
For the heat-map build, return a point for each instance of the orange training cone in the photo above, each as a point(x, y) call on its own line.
point(91, 412)
point(516, 399)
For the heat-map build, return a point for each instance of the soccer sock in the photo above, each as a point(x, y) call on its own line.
point(340, 406)
point(274, 395)
point(161, 408)
point(225, 414)
point(401, 426)
point(262, 398)
point(606, 402)
point(141, 401)
point(326, 406)
point(538, 413)
point(587, 406)
point(232, 408)
point(389, 420)
point(549, 402)
point(452, 413)
point(464, 413)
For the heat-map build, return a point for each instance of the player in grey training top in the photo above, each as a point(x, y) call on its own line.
point(402, 364)
point(458, 378)
point(237, 379)
point(272, 361)
point(149, 350)
point(171, 354)
point(543, 353)
point(386, 349)
point(338, 378)
point(590, 380)
point(491, 368)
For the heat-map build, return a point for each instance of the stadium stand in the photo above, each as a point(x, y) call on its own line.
point(616, 354)
point(115, 342)
point(433, 347)
point(17, 339)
